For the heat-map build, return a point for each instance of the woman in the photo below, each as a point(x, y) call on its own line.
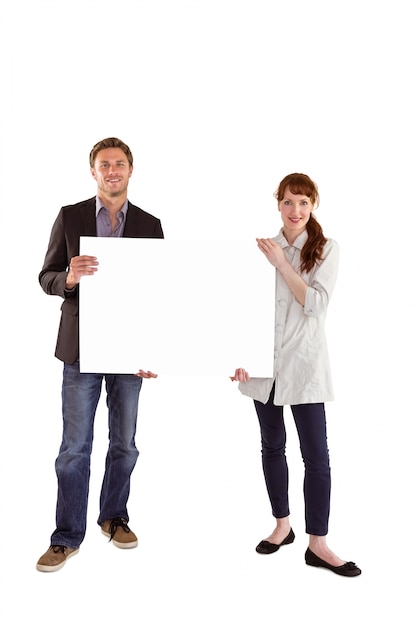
point(306, 269)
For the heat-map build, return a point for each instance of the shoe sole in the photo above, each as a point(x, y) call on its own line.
point(119, 544)
point(55, 568)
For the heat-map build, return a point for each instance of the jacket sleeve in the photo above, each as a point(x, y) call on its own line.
point(55, 268)
point(322, 281)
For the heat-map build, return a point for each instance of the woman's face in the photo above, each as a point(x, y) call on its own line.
point(295, 212)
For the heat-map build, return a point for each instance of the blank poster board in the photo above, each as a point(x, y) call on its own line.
point(177, 307)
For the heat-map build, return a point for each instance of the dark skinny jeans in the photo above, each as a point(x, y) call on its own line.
point(310, 421)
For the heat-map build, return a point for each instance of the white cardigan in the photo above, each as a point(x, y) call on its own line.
point(301, 363)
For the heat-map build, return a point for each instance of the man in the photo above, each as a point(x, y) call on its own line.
point(109, 214)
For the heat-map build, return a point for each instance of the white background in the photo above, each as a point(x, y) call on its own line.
point(218, 101)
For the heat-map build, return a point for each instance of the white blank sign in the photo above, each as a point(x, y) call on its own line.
point(177, 307)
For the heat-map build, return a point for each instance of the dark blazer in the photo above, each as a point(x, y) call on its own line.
point(72, 222)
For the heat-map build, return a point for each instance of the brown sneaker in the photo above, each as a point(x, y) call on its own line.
point(118, 530)
point(55, 558)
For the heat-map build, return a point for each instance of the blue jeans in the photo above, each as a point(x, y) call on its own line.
point(310, 421)
point(80, 396)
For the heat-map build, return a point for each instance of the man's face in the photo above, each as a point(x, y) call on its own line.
point(112, 172)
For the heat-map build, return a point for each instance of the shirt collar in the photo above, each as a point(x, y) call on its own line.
point(298, 243)
point(100, 205)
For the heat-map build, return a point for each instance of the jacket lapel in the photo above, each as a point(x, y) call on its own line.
point(131, 228)
point(88, 212)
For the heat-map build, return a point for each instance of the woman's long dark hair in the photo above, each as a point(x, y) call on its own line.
point(313, 248)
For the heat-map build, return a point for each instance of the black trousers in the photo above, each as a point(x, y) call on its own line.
point(310, 421)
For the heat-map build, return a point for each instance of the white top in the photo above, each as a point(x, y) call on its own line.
point(301, 362)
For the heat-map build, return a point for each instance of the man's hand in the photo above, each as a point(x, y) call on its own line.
point(147, 374)
point(80, 266)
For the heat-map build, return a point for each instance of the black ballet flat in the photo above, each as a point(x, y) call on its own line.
point(347, 569)
point(266, 547)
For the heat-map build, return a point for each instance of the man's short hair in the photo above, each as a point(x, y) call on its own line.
point(110, 142)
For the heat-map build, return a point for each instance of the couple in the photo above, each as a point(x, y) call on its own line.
point(306, 268)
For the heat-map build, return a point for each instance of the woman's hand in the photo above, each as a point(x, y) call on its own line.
point(147, 374)
point(275, 255)
point(273, 252)
point(241, 375)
